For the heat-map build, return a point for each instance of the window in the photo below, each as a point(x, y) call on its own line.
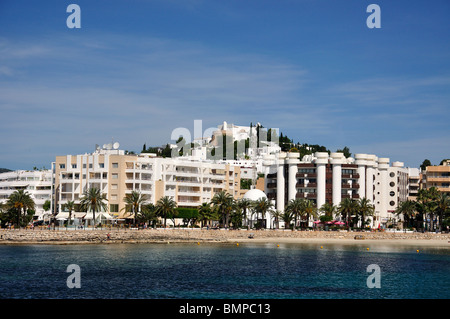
point(114, 208)
point(392, 184)
point(84, 165)
point(115, 165)
point(113, 186)
point(90, 165)
point(392, 193)
point(74, 165)
point(101, 165)
point(115, 176)
point(392, 203)
point(391, 174)
point(62, 166)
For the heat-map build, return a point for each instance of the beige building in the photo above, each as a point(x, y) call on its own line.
point(189, 183)
point(437, 176)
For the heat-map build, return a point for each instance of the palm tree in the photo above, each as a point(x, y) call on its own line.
point(287, 218)
point(295, 207)
point(205, 213)
point(263, 206)
point(236, 217)
point(21, 201)
point(276, 215)
point(443, 208)
point(147, 214)
point(427, 203)
point(329, 211)
point(309, 209)
point(166, 207)
point(408, 210)
point(347, 208)
point(93, 199)
point(133, 202)
point(70, 205)
point(365, 208)
point(244, 205)
point(223, 205)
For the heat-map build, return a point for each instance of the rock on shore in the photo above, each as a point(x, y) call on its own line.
point(46, 236)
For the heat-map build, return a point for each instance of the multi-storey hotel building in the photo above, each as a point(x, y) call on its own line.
point(437, 176)
point(37, 183)
point(189, 183)
point(324, 177)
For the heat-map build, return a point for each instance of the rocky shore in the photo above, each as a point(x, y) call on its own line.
point(80, 236)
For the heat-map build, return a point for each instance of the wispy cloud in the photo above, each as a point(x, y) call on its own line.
point(136, 90)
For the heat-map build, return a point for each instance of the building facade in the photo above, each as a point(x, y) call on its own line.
point(188, 183)
point(324, 177)
point(37, 183)
point(437, 176)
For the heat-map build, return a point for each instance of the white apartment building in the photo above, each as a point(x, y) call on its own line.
point(414, 180)
point(188, 182)
point(330, 178)
point(37, 183)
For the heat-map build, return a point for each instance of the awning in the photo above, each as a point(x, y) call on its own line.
point(65, 215)
point(98, 215)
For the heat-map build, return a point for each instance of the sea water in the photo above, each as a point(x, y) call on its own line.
point(217, 271)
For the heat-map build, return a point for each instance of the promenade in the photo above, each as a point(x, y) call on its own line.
point(159, 235)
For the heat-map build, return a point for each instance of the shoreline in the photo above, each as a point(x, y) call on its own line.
point(160, 235)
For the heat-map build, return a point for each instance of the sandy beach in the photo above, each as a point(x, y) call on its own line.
point(80, 236)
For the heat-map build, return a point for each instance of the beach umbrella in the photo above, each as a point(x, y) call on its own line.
point(339, 223)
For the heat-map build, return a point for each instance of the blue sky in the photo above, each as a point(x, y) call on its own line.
point(138, 69)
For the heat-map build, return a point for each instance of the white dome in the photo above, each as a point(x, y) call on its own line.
point(254, 194)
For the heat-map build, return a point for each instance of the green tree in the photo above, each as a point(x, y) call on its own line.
point(424, 164)
point(133, 203)
point(309, 209)
point(346, 151)
point(262, 206)
point(93, 199)
point(236, 217)
point(166, 208)
point(287, 218)
point(329, 210)
point(147, 214)
point(365, 209)
point(205, 213)
point(223, 205)
point(46, 205)
point(70, 205)
point(408, 210)
point(277, 216)
point(244, 204)
point(296, 208)
point(427, 204)
point(347, 208)
point(20, 201)
point(443, 208)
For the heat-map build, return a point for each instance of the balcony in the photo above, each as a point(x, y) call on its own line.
point(348, 186)
point(306, 175)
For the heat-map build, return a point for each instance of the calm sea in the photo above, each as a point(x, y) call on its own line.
point(250, 270)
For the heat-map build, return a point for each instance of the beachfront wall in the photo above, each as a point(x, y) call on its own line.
point(323, 177)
